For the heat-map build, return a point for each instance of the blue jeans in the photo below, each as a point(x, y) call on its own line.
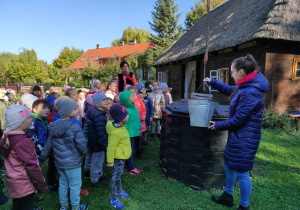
point(116, 185)
point(96, 166)
point(69, 178)
point(245, 184)
point(130, 160)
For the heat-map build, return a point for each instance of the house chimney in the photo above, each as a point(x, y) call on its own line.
point(132, 42)
point(122, 43)
point(98, 46)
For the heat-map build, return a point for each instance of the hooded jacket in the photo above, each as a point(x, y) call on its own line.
point(38, 132)
point(244, 122)
point(97, 136)
point(68, 144)
point(23, 173)
point(134, 124)
point(119, 146)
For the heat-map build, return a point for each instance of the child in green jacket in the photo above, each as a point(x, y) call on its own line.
point(118, 151)
point(133, 125)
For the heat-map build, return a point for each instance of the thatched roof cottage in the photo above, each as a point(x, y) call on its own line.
point(268, 29)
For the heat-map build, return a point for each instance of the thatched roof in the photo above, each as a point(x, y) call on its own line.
point(236, 22)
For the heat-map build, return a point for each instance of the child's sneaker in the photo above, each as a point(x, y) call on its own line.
point(83, 192)
point(123, 194)
point(135, 171)
point(65, 207)
point(82, 207)
point(87, 174)
point(116, 204)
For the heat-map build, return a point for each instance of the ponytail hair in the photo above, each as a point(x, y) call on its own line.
point(248, 64)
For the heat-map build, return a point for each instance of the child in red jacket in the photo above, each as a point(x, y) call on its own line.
point(23, 173)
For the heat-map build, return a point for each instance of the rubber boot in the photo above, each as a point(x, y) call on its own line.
point(225, 199)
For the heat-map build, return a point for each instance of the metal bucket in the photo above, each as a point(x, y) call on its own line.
point(201, 111)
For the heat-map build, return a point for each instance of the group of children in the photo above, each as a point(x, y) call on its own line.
point(65, 128)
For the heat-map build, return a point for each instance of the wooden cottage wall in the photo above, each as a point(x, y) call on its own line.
point(284, 94)
point(216, 62)
point(174, 72)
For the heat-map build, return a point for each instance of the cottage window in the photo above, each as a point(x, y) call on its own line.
point(82, 59)
point(165, 77)
point(90, 58)
point(213, 74)
point(97, 58)
point(159, 76)
point(296, 69)
point(224, 75)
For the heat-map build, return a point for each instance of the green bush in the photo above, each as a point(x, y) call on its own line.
point(60, 83)
point(273, 120)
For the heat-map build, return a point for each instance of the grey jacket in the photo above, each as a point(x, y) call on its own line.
point(68, 144)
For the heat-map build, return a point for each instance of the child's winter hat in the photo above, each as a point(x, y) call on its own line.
point(88, 97)
point(51, 101)
point(97, 98)
point(96, 81)
point(118, 113)
point(15, 115)
point(28, 99)
point(162, 85)
point(140, 86)
point(65, 106)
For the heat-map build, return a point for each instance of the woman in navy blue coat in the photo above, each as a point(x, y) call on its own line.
point(243, 125)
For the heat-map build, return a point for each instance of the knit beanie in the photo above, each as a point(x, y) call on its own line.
point(96, 81)
point(97, 98)
point(118, 113)
point(28, 99)
point(15, 115)
point(65, 106)
point(140, 86)
point(51, 101)
point(162, 85)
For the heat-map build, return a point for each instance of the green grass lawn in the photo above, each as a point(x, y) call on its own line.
point(275, 179)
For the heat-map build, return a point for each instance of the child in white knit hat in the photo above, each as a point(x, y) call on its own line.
point(23, 173)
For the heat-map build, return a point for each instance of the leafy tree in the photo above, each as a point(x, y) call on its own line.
point(67, 56)
point(6, 60)
point(140, 35)
point(198, 11)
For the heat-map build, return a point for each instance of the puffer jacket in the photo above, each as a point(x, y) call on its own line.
point(23, 173)
point(3, 106)
point(68, 144)
point(149, 106)
point(97, 136)
point(133, 125)
point(244, 122)
point(140, 105)
point(119, 146)
point(158, 101)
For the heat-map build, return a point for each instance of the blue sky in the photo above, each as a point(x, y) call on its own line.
point(48, 25)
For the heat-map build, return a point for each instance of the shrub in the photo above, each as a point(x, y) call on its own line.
point(273, 120)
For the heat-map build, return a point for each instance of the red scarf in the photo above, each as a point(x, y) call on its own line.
point(247, 78)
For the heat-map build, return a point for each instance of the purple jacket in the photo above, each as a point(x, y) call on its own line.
point(23, 173)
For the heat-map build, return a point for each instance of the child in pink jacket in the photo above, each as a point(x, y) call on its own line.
point(23, 173)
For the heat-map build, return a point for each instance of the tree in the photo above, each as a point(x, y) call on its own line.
point(165, 25)
point(66, 57)
point(198, 11)
point(140, 35)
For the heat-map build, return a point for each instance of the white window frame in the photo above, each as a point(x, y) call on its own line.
point(159, 76)
point(213, 77)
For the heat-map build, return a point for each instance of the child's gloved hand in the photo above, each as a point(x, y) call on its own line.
point(110, 164)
